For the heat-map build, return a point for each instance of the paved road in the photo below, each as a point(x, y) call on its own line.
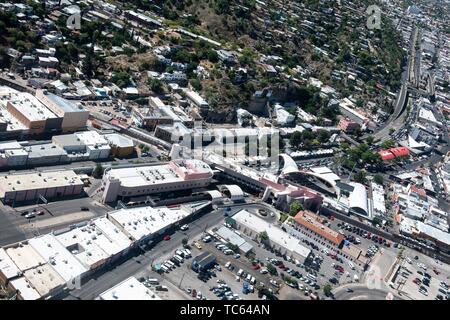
point(112, 277)
point(360, 293)
point(396, 120)
point(12, 223)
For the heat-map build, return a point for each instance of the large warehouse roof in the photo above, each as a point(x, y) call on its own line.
point(358, 198)
point(158, 174)
point(59, 258)
point(275, 234)
point(143, 221)
point(315, 224)
point(30, 107)
point(41, 180)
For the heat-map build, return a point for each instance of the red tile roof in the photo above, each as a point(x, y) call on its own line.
point(315, 223)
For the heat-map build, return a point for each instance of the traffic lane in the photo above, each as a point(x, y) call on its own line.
point(360, 293)
point(9, 230)
point(110, 277)
point(56, 208)
point(196, 228)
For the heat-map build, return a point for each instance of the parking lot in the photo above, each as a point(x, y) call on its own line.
point(306, 276)
point(110, 109)
point(183, 278)
point(422, 278)
point(279, 276)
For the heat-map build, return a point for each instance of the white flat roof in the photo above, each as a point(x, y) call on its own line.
point(427, 115)
point(130, 289)
point(58, 257)
point(275, 233)
point(142, 176)
point(29, 106)
point(42, 180)
point(326, 174)
point(91, 138)
point(10, 145)
point(13, 122)
point(44, 279)
point(194, 96)
point(144, 221)
point(378, 197)
point(7, 266)
point(85, 244)
point(156, 174)
point(25, 289)
point(119, 240)
point(119, 140)
point(25, 257)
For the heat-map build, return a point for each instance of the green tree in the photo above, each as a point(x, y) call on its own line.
point(370, 140)
point(378, 178)
point(121, 79)
point(98, 171)
point(272, 270)
point(295, 207)
point(327, 289)
point(156, 85)
point(376, 221)
point(263, 236)
point(233, 247)
point(323, 136)
point(296, 139)
point(360, 176)
point(196, 84)
point(389, 143)
point(145, 148)
point(247, 56)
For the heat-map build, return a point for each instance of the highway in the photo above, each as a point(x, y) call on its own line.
point(396, 119)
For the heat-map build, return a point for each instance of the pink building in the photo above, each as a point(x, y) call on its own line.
point(348, 125)
point(121, 183)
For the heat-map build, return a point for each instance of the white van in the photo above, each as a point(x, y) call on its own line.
point(171, 264)
point(188, 253)
point(311, 277)
point(253, 280)
point(240, 272)
point(153, 281)
point(179, 258)
point(165, 269)
point(249, 277)
point(350, 264)
point(179, 252)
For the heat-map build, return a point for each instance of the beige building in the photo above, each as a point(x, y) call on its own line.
point(74, 117)
point(32, 113)
point(28, 187)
